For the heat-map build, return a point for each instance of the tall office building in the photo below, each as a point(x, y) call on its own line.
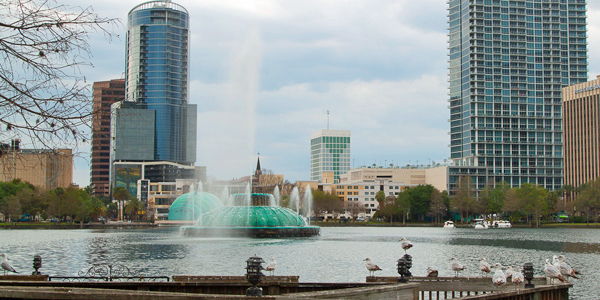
point(105, 93)
point(509, 61)
point(329, 152)
point(157, 75)
point(153, 132)
point(582, 132)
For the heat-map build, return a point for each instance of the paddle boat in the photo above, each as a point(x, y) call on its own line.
point(480, 224)
point(449, 224)
point(499, 224)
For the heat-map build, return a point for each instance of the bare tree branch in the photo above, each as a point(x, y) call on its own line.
point(44, 98)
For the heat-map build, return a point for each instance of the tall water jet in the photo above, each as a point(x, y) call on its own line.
point(308, 202)
point(248, 199)
point(295, 200)
point(276, 196)
point(225, 196)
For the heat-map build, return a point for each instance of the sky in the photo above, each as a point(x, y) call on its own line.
point(267, 73)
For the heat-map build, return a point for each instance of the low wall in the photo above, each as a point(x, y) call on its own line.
point(276, 287)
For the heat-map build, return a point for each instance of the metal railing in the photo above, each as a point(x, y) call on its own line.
point(98, 273)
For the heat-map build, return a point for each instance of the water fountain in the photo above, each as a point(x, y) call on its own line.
point(190, 206)
point(252, 215)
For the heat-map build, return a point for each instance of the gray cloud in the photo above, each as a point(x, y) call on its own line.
point(379, 66)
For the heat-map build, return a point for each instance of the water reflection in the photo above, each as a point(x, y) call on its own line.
point(335, 256)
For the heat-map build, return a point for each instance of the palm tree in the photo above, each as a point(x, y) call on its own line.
point(121, 194)
point(98, 208)
point(133, 207)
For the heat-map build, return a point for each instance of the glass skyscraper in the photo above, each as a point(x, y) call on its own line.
point(509, 60)
point(157, 75)
point(329, 152)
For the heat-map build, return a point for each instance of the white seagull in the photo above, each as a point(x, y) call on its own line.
point(553, 272)
point(484, 266)
point(431, 272)
point(562, 259)
point(456, 266)
point(6, 265)
point(271, 266)
point(517, 277)
point(563, 267)
point(371, 266)
point(509, 273)
point(406, 244)
point(499, 278)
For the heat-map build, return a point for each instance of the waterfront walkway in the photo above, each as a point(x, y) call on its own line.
point(274, 287)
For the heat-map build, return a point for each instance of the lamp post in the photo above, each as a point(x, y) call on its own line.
point(254, 275)
point(402, 270)
point(37, 263)
point(528, 274)
point(408, 259)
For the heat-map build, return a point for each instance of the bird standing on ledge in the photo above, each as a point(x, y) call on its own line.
point(406, 244)
point(371, 266)
point(6, 265)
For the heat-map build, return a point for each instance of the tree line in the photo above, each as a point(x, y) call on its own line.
point(72, 204)
point(529, 202)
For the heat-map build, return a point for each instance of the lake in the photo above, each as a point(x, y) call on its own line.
point(335, 256)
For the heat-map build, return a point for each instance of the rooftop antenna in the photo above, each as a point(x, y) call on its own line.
point(327, 119)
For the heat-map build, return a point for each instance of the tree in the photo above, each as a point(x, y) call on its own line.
point(43, 95)
point(464, 199)
point(97, 208)
point(112, 210)
point(380, 196)
point(32, 202)
point(588, 200)
point(419, 200)
point(532, 199)
point(121, 194)
point(13, 186)
point(403, 205)
point(387, 207)
point(568, 194)
point(325, 202)
point(498, 197)
point(133, 207)
point(436, 206)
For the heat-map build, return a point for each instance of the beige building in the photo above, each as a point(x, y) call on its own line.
point(359, 197)
point(581, 123)
point(45, 169)
point(358, 187)
point(437, 177)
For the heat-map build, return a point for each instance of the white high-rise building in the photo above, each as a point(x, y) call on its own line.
point(329, 152)
point(508, 63)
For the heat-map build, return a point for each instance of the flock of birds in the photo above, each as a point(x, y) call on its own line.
point(558, 269)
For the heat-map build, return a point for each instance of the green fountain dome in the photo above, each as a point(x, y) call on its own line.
point(252, 216)
point(191, 205)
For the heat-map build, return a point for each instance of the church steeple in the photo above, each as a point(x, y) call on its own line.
point(258, 171)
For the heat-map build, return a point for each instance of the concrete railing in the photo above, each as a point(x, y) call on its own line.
point(443, 288)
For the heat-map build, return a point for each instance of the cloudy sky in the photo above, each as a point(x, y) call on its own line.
point(264, 74)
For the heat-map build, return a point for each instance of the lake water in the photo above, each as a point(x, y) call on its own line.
point(335, 256)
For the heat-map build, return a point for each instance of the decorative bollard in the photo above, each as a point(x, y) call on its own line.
point(528, 274)
point(402, 270)
point(408, 259)
point(254, 275)
point(37, 264)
